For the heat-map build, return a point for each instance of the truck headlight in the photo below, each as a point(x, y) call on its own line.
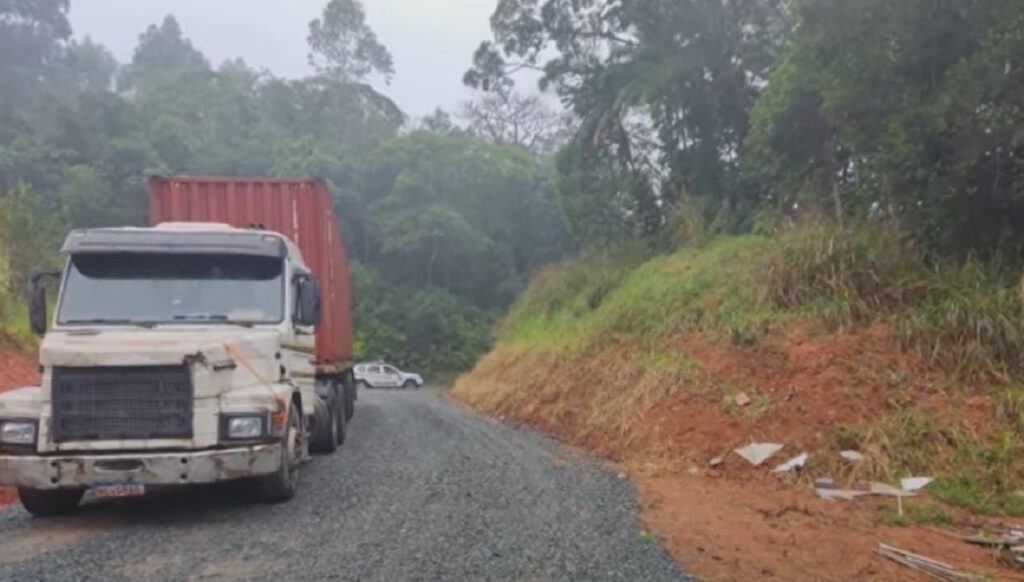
point(245, 427)
point(20, 433)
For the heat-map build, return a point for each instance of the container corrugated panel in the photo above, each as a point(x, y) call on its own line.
point(300, 209)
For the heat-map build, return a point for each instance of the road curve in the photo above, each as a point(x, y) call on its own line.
point(423, 490)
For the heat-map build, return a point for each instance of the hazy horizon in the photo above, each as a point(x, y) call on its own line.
point(432, 43)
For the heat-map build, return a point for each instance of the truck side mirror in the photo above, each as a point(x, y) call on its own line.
point(36, 301)
point(308, 304)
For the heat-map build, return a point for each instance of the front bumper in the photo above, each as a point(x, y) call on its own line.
point(180, 468)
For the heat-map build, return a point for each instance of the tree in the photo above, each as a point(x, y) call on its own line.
point(909, 107)
point(87, 66)
point(32, 232)
point(32, 34)
point(343, 47)
point(662, 89)
point(509, 118)
point(163, 54)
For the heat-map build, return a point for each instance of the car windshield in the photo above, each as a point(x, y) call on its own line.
point(168, 288)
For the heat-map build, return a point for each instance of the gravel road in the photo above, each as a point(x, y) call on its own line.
point(423, 490)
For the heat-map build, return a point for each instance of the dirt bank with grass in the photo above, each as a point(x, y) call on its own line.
point(818, 340)
point(18, 368)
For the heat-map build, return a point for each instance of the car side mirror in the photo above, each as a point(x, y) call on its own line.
point(308, 304)
point(37, 307)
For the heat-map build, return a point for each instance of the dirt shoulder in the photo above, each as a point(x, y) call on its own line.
point(723, 530)
point(804, 388)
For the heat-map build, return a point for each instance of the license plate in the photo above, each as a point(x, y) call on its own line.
point(119, 490)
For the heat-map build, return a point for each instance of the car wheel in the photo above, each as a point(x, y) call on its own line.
point(410, 385)
point(49, 502)
point(362, 385)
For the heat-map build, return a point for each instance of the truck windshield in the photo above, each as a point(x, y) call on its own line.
point(166, 288)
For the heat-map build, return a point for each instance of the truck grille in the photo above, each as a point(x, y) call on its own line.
point(150, 402)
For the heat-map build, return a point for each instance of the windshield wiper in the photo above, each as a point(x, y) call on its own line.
point(104, 321)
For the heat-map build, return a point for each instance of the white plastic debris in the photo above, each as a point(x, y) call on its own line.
point(889, 490)
point(915, 483)
point(794, 463)
point(716, 462)
point(844, 494)
point(741, 399)
point(852, 456)
point(757, 453)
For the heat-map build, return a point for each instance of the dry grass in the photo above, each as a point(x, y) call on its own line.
point(585, 352)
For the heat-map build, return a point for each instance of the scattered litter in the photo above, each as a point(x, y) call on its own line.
point(844, 494)
point(889, 490)
point(757, 453)
point(933, 568)
point(824, 483)
point(716, 462)
point(852, 456)
point(693, 471)
point(794, 463)
point(915, 483)
point(741, 399)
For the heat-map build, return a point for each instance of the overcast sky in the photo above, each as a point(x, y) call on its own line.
point(432, 40)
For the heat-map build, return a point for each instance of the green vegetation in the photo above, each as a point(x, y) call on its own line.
point(927, 513)
point(443, 225)
point(741, 288)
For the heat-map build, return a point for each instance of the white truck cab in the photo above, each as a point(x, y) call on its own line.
point(176, 355)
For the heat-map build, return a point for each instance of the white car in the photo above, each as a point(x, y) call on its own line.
point(385, 376)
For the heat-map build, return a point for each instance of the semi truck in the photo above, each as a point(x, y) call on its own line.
point(213, 345)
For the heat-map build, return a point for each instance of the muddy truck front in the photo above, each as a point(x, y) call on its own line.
point(176, 355)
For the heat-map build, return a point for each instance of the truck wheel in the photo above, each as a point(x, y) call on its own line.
point(326, 439)
point(342, 416)
point(409, 384)
point(49, 502)
point(281, 486)
point(351, 394)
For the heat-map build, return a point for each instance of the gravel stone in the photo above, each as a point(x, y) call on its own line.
point(422, 490)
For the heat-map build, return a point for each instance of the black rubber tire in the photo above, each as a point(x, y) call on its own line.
point(282, 485)
point(50, 502)
point(410, 385)
point(325, 439)
point(362, 385)
point(342, 415)
point(351, 395)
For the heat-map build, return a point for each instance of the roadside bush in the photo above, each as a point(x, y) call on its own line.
point(577, 286)
point(850, 275)
point(971, 322)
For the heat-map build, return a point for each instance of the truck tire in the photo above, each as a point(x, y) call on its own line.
point(351, 395)
point(280, 486)
point(331, 432)
point(342, 416)
point(49, 502)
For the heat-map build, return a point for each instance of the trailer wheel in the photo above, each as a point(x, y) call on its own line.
point(330, 433)
point(50, 502)
point(351, 395)
point(281, 486)
point(342, 420)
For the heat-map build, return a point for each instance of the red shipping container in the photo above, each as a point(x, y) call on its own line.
point(300, 209)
